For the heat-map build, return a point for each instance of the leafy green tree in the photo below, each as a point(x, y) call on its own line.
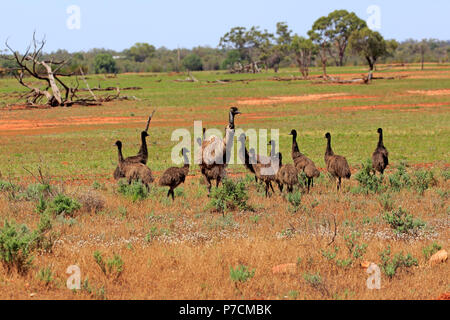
point(140, 52)
point(332, 33)
point(370, 45)
point(105, 63)
point(304, 49)
point(253, 44)
point(341, 24)
point(193, 62)
point(233, 57)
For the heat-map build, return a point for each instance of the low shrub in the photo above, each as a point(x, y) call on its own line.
point(230, 196)
point(402, 222)
point(400, 179)
point(423, 180)
point(241, 273)
point(367, 179)
point(16, 247)
point(390, 265)
point(136, 190)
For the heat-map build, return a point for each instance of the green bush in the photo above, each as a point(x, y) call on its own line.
point(62, 205)
point(445, 174)
point(423, 180)
point(241, 273)
point(112, 267)
point(45, 275)
point(295, 199)
point(400, 179)
point(193, 62)
point(368, 180)
point(16, 247)
point(402, 222)
point(230, 196)
point(390, 265)
point(430, 250)
point(314, 280)
point(136, 191)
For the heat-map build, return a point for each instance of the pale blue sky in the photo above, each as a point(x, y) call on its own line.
point(119, 24)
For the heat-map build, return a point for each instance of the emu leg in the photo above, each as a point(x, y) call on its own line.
point(173, 194)
point(309, 183)
point(209, 185)
point(339, 184)
point(280, 186)
point(271, 187)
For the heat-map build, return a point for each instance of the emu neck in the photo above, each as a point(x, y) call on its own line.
point(329, 151)
point(295, 148)
point(231, 121)
point(119, 148)
point(143, 150)
point(186, 161)
point(243, 150)
point(380, 140)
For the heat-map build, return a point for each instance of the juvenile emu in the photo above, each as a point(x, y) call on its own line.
point(214, 153)
point(287, 175)
point(380, 157)
point(134, 171)
point(175, 176)
point(302, 162)
point(141, 157)
point(337, 165)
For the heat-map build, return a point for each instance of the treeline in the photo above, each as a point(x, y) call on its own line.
point(339, 39)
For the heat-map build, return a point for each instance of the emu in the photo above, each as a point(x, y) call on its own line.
point(380, 157)
point(337, 165)
point(134, 171)
point(302, 162)
point(213, 166)
point(175, 176)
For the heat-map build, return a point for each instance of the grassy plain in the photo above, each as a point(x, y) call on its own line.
point(182, 250)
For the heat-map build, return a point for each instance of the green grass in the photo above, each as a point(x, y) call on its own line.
point(87, 149)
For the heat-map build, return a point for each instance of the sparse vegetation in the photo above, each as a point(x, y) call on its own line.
point(230, 196)
point(390, 265)
point(403, 222)
point(241, 273)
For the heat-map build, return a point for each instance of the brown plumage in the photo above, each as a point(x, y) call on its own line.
point(287, 175)
point(175, 176)
point(302, 162)
point(262, 171)
point(213, 166)
point(134, 171)
point(337, 165)
point(141, 157)
point(380, 157)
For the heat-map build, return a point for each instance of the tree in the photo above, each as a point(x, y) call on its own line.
point(105, 63)
point(252, 44)
point(193, 62)
point(331, 34)
point(421, 48)
point(233, 57)
point(370, 45)
point(140, 52)
point(304, 49)
point(320, 36)
point(340, 25)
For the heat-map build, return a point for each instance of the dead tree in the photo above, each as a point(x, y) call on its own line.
point(54, 91)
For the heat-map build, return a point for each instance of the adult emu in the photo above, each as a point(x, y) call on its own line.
point(302, 162)
point(380, 157)
point(134, 171)
point(337, 165)
point(214, 152)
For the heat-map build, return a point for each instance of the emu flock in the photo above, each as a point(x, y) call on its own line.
point(267, 169)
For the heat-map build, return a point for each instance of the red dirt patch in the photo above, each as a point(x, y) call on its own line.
point(442, 92)
point(293, 99)
point(393, 106)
